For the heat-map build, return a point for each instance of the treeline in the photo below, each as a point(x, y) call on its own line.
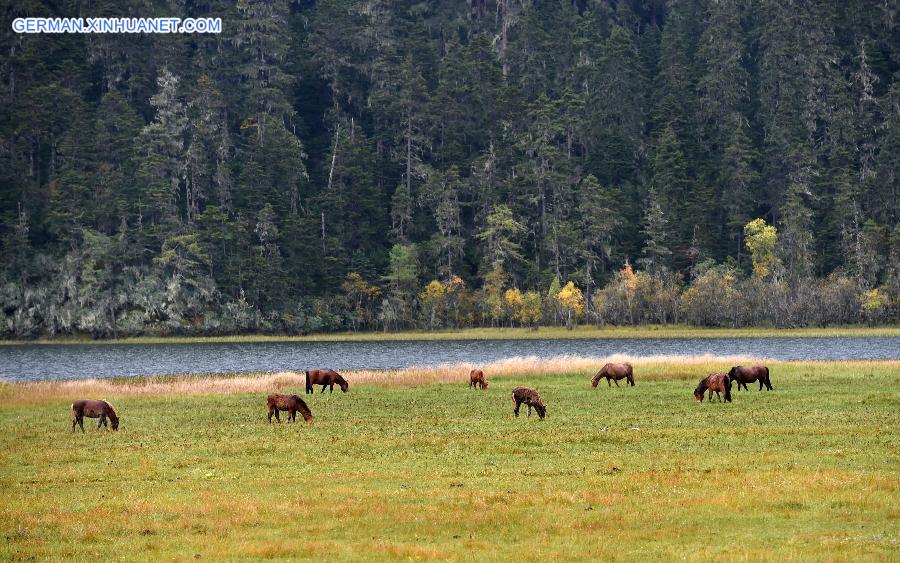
point(358, 164)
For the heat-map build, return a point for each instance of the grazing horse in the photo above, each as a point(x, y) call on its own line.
point(325, 378)
point(614, 372)
point(743, 375)
point(291, 403)
point(718, 382)
point(93, 409)
point(529, 397)
point(477, 378)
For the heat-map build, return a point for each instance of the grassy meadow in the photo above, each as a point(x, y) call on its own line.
point(507, 333)
point(419, 466)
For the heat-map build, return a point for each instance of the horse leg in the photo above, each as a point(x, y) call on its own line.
point(100, 422)
point(323, 387)
point(608, 382)
point(516, 406)
point(616, 381)
point(529, 409)
point(270, 415)
point(81, 423)
point(331, 388)
point(74, 422)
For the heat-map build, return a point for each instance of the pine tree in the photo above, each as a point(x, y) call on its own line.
point(598, 226)
point(161, 160)
point(656, 252)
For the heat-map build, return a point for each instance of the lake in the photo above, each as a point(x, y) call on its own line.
point(76, 361)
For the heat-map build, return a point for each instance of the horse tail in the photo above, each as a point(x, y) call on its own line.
point(727, 383)
point(768, 382)
point(308, 384)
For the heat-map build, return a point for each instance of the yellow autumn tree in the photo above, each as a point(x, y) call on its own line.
point(572, 301)
point(760, 239)
point(513, 300)
point(873, 303)
point(432, 299)
point(531, 309)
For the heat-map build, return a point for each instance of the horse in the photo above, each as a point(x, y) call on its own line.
point(325, 378)
point(614, 372)
point(718, 382)
point(92, 408)
point(530, 397)
point(291, 403)
point(743, 375)
point(477, 378)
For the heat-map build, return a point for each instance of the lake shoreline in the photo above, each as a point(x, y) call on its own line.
point(646, 369)
point(580, 332)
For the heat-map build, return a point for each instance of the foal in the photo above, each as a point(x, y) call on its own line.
point(530, 397)
point(291, 403)
point(93, 409)
point(477, 378)
point(718, 382)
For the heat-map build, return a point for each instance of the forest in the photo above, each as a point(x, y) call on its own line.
point(336, 165)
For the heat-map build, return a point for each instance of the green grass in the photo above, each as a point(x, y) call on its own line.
point(583, 331)
point(807, 472)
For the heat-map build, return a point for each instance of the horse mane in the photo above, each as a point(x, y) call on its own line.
point(701, 387)
point(304, 410)
point(112, 411)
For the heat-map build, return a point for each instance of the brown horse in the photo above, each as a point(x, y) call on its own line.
point(477, 378)
point(614, 372)
point(325, 378)
point(718, 382)
point(530, 397)
point(742, 375)
point(93, 409)
point(291, 403)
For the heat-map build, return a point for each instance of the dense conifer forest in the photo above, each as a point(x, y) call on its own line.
point(369, 165)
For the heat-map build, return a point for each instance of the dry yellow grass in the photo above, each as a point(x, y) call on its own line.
point(646, 368)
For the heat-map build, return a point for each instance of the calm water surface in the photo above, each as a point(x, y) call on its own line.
point(42, 361)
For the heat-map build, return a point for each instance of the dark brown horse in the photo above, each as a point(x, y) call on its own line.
point(93, 409)
point(742, 375)
point(530, 397)
point(718, 382)
point(325, 378)
point(614, 372)
point(291, 403)
point(477, 379)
